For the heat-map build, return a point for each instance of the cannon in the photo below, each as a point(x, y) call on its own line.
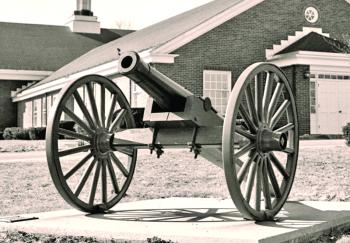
point(255, 142)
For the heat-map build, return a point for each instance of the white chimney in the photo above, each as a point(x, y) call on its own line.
point(83, 20)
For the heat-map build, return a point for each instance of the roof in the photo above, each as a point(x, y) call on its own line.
point(148, 38)
point(317, 43)
point(46, 47)
point(174, 29)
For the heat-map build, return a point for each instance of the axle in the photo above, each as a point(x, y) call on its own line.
point(204, 141)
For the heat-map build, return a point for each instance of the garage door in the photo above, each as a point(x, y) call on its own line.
point(333, 105)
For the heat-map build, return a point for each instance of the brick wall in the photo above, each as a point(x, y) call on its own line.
point(243, 40)
point(301, 88)
point(8, 109)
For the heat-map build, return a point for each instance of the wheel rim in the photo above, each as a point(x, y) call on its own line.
point(262, 117)
point(88, 174)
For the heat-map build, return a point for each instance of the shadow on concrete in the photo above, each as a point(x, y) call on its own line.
point(296, 215)
point(174, 215)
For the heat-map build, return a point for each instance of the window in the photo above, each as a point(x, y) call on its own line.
point(138, 96)
point(217, 86)
point(36, 114)
point(311, 15)
point(313, 97)
point(44, 111)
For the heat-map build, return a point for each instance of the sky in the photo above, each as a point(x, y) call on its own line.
point(134, 14)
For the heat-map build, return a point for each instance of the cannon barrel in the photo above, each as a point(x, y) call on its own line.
point(167, 94)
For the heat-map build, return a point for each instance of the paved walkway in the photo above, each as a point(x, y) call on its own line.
point(323, 143)
point(191, 220)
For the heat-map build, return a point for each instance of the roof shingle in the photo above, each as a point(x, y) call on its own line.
point(149, 37)
point(46, 47)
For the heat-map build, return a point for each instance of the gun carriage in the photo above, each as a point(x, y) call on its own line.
point(255, 142)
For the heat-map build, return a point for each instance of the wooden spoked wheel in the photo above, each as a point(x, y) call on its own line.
point(260, 141)
point(86, 172)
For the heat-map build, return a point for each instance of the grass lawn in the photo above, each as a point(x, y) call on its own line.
point(21, 145)
point(323, 174)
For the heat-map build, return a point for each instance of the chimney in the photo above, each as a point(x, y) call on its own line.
point(83, 20)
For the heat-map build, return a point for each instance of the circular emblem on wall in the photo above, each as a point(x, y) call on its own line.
point(311, 14)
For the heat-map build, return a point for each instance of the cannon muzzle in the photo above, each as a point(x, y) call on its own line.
point(167, 94)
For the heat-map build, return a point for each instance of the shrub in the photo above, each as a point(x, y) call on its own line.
point(346, 133)
point(16, 133)
point(68, 125)
point(37, 133)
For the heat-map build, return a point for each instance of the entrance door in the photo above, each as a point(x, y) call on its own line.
point(344, 102)
point(333, 109)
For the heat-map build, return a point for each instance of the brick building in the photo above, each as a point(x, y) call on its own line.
point(206, 49)
point(29, 53)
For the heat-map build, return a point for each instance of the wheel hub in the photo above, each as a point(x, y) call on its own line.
point(102, 141)
point(268, 141)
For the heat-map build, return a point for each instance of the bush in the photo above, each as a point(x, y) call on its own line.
point(37, 133)
point(68, 125)
point(346, 133)
point(16, 133)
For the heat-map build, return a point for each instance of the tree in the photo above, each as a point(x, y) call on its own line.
point(123, 24)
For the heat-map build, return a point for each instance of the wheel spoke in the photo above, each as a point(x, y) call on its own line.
point(244, 169)
point(238, 163)
point(103, 105)
point(273, 179)
point(119, 165)
point(73, 134)
point(94, 183)
point(274, 100)
point(245, 149)
point(251, 106)
point(288, 150)
point(111, 110)
point(258, 98)
point(267, 95)
point(127, 151)
point(113, 176)
point(277, 116)
point(93, 105)
point(104, 181)
point(279, 166)
point(245, 134)
point(266, 186)
point(250, 182)
point(118, 120)
point(78, 120)
point(83, 180)
point(258, 186)
point(247, 119)
point(78, 166)
point(285, 128)
point(84, 109)
point(74, 150)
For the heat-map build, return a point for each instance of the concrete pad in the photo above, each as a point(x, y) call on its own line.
point(191, 220)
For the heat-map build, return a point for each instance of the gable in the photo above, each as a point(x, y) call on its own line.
point(316, 43)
